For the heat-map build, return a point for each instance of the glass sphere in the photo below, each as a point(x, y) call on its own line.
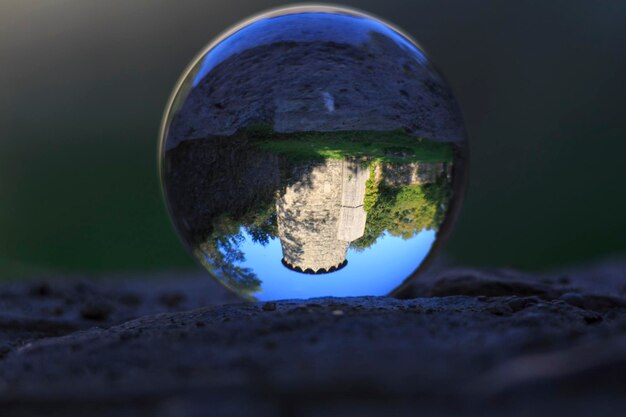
point(313, 151)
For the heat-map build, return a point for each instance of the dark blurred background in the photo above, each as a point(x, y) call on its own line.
point(83, 85)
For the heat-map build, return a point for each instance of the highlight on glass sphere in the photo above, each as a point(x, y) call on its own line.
point(313, 151)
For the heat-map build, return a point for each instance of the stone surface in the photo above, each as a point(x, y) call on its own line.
point(374, 86)
point(463, 342)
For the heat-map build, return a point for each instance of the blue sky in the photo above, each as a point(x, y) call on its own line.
point(374, 271)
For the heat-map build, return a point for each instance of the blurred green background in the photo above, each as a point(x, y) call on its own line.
point(83, 85)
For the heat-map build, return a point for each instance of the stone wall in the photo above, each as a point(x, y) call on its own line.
point(352, 215)
point(314, 226)
point(320, 86)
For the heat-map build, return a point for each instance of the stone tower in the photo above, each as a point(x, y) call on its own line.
point(321, 213)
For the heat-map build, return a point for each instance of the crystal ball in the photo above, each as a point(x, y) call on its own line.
point(313, 151)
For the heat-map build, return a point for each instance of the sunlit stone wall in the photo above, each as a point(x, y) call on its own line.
point(321, 213)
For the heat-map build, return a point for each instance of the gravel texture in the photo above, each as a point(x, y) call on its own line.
point(463, 342)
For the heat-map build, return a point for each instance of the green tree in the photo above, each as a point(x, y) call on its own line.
point(220, 255)
point(402, 211)
point(220, 251)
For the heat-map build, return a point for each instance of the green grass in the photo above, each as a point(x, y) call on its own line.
point(390, 146)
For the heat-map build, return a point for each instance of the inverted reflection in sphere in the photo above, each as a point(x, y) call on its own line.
point(313, 151)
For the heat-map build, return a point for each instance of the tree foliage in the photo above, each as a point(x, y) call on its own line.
point(221, 252)
point(402, 211)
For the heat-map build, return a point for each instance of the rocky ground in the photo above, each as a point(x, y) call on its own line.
point(466, 342)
